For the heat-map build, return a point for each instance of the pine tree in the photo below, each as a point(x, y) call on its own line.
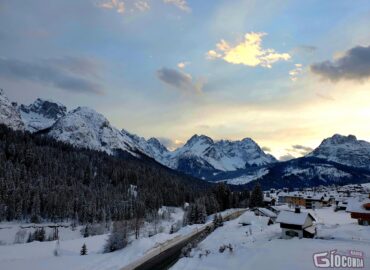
point(86, 231)
point(83, 250)
point(256, 196)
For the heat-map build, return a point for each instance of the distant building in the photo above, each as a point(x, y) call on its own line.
point(313, 202)
point(268, 201)
point(360, 210)
point(296, 224)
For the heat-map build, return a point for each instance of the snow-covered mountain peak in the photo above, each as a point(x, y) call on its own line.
point(339, 139)
point(48, 108)
point(197, 140)
point(154, 142)
point(223, 155)
point(84, 127)
point(41, 114)
point(9, 114)
point(345, 150)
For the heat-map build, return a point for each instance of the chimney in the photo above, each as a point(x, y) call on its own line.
point(297, 210)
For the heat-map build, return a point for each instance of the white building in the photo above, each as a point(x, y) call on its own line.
point(296, 224)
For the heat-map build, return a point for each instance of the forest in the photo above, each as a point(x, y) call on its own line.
point(45, 180)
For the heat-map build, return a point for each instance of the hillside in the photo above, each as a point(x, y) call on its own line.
point(41, 178)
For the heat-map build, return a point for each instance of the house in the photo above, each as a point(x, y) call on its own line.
point(267, 201)
point(296, 224)
point(313, 202)
point(360, 210)
point(264, 212)
point(249, 218)
point(295, 199)
point(341, 205)
point(274, 209)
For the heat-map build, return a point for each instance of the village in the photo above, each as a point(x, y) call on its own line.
point(312, 227)
point(284, 207)
point(294, 227)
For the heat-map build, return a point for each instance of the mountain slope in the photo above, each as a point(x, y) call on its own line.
point(345, 150)
point(308, 172)
point(84, 127)
point(202, 157)
point(61, 182)
point(151, 147)
point(9, 115)
point(41, 114)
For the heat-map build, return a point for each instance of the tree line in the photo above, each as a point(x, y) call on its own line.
point(42, 179)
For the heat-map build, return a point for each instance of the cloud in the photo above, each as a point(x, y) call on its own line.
point(78, 65)
point(354, 64)
point(325, 96)
point(302, 149)
point(179, 80)
point(266, 149)
point(171, 144)
point(296, 72)
point(117, 5)
point(295, 150)
point(305, 49)
point(60, 73)
point(142, 5)
point(249, 52)
point(183, 65)
point(181, 4)
point(286, 157)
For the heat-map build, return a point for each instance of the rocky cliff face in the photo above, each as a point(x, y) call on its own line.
point(9, 114)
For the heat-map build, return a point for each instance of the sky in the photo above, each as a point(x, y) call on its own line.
point(285, 73)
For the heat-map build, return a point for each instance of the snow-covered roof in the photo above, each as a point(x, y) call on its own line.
point(356, 205)
point(267, 212)
point(267, 199)
point(293, 218)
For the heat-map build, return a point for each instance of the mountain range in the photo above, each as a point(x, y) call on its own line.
point(338, 159)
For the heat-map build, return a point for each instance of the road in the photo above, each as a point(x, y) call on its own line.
point(167, 250)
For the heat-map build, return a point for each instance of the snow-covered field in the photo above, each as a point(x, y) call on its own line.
point(40, 255)
point(264, 250)
point(254, 247)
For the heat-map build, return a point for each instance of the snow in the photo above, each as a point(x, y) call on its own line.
point(39, 255)
point(264, 250)
point(246, 178)
point(267, 212)
point(84, 127)
point(356, 205)
point(345, 150)
point(223, 155)
point(41, 114)
point(35, 121)
point(289, 217)
point(320, 170)
point(152, 147)
point(9, 114)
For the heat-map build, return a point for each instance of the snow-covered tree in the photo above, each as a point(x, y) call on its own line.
point(118, 238)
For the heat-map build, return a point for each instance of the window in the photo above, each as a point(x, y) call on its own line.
point(291, 233)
